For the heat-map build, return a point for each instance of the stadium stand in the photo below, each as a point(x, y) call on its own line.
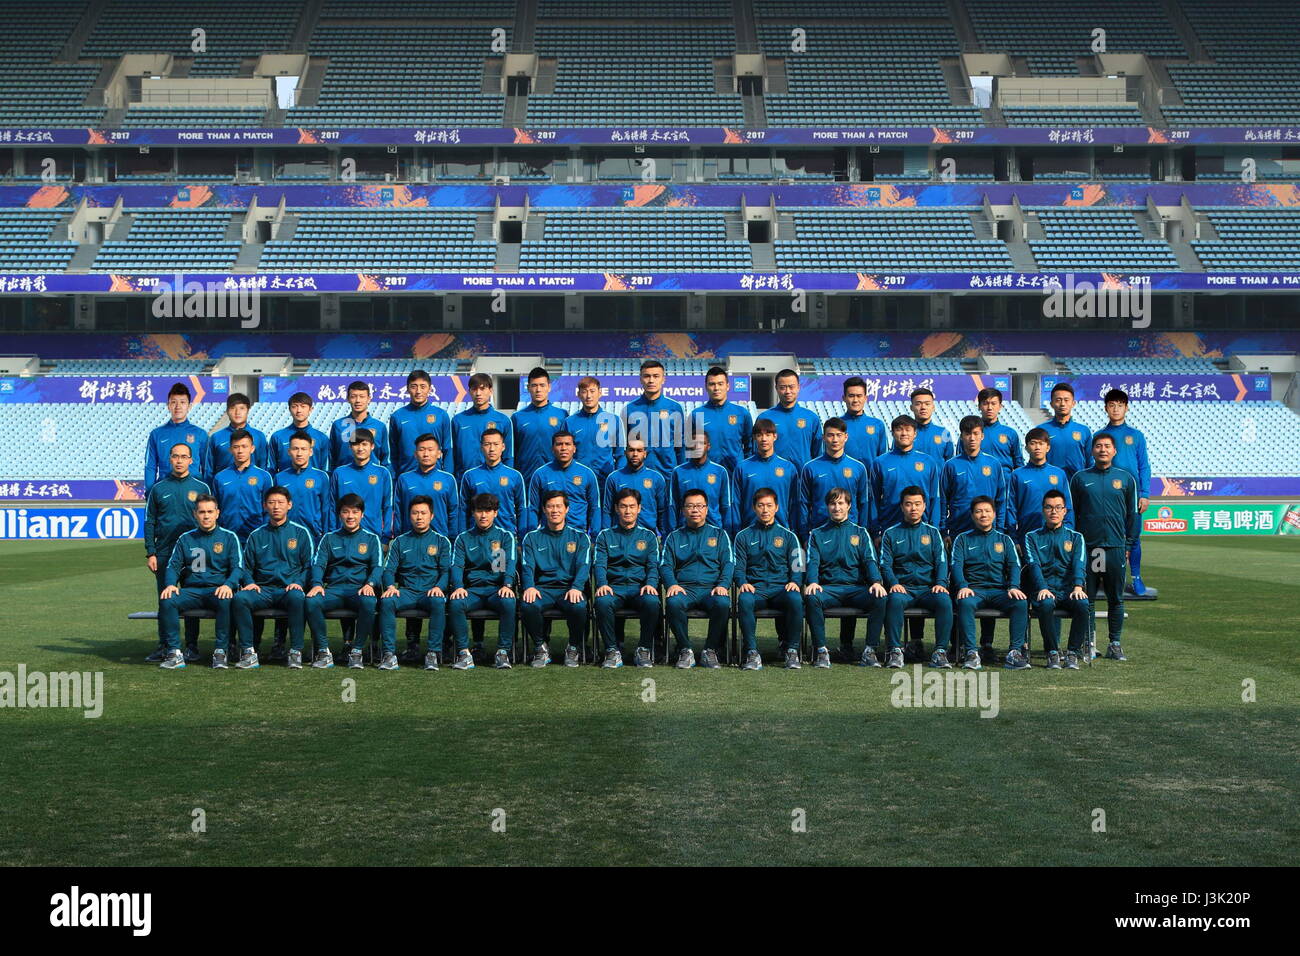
point(929, 240)
point(876, 365)
point(415, 240)
point(648, 240)
point(402, 366)
point(149, 117)
point(33, 90)
point(1250, 239)
point(98, 368)
point(1096, 239)
point(160, 239)
point(1138, 366)
point(27, 242)
point(1072, 116)
point(617, 366)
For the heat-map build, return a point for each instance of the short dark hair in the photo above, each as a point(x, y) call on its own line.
point(694, 492)
point(902, 420)
point(420, 500)
point(360, 435)
point(920, 391)
point(539, 372)
point(1038, 434)
point(554, 493)
point(835, 423)
point(651, 363)
point(854, 381)
point(969, 423)
point(479, 378)
point(419, 375)
point(1053, 493)
point(428, 437)
point(1062, 387)
point(786, 373)
point(237, 398)
point(302, 435)
point(277, 490)
point(628, 493)
point(763, 426)
point(180, 388)
point(563, 433)
point(484, 502)
point(358, 386)
point(239, 434)
point(180, 444)
point(714, 371)
point(491, 431)
point(765, 493)
point(911, 491)
point(202, 498)
point(836, 493)
point(988, 393)
point(983, 500)
point(1116, 395)
point(301, 398)
point(1105, 436)
point(350, 500)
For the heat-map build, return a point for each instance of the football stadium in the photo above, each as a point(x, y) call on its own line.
point(904, 395)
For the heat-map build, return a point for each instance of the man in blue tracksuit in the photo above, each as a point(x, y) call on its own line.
point(657, 419)
point(597, 431)
point(834, 468)
point(345, 575)
point(656, 512)
point(495, 477)
point(554, 568)
point(769, 574)
point(204, 570)
point(1054, 565)
point(535, 424)
point(626, 569)
point(417, 576)
point(798, 429)
point(426, 478)
point(484, 569)
point(868, 435)
point(239, 488)
point(902, 467)
point(697, 566)
point(370, 481)
point(468, 426)
point(931, 438)
point(277, 573)
point(343, 430)
point(1071, 448)
point(1106, 514)
point(727, 424)
point(169, 513)
point(986, 573)
point(842, 572)
point(1000, 441)
point(578, 482)
point(1131, 455)
point(700, 473)
point(309, 485)
point(417, 417)
point(219, 453)
point(766, 469)
point(157, 456)
point(300, 406)
point(967, 476)
point(915, 572)
point(1029, 483)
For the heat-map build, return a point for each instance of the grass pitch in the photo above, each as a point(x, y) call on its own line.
point(711, 772)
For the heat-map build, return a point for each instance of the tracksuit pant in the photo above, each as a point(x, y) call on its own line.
point(552, 599)
point(939, 605)
point(647, 610)
point(293, 603)
point(1111, 579)
point(338, 599)
point(482, 599)
point(789, 603)
point(998, 599)
point(855, 597)
point(718, 608)
point(1049, 625)
point(191, 599)
point(191, 624)
point(407, 600)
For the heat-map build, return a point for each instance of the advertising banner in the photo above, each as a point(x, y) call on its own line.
point(108, 389)
point(1164, 388)
point(118, 522)
point(897, 387)
point(1221, 518)
point(383, 388)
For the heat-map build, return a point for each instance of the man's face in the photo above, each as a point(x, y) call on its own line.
point(697, 448)
point(361, 451)
point(923, 408)
point(855, 399)
point(426, 453)
point(359, 399)
point(181, 459)
point(241, 451)
point(833, 439)
point(1054, 513)
point(480, 395)
point(629, 512)
point(1103, 452)
point(838, 508)
point(238, 415)
point(695, 510)
point(494, 446)
point(589, 395)
point(484, 519)
point(418, 390)
point(982, 516)
point(299, 452)
point(178, 406)
point(1037, 449)
point(765, 509)
point(913, 507)
point(421, 517)
point(971, 441)
point(350, 518)
point(555, 510)
point(300, 412)
point(635, 453)
point(787, 389)
point(206, 514)
point(716, 386)
point(652, 382)
point(539, 389)
point(1116, 411)
point(764, 442)
point(564, 449)
point(277, 508)
point(1062, 405)
point(904, 436)
point(990, 409)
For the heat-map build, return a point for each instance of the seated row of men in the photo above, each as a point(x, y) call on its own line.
point(693, 569)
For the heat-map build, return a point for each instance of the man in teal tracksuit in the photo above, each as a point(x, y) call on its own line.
point(416, 576)
point(1106, 514)
point(1054, 565)
point(205, 568)
point(169, 513)
point(484, 568)
point(842, 572)
point(554, 569)
point(277, 573)
point(915, 570)
point(986, 573)
point(1131, 455)
point(345, 573)
point(769, 575)
point(697, 566)
point(626, 569)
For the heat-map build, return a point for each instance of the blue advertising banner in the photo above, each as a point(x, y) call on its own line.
point(898, 387)
point(1164, 388)
point(108, 389)
point(383, 388)
point(118, 522)
point(38, 490)
point(627, 388)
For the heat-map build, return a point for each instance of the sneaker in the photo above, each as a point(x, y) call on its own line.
point(160, 654)
point(501, 660)
point(431, 661)
point(823, 658)
point(323, 659)
point(248, 660)
point(464, 661)
point(1015, 661)
point(613, 659)
point(895, 658)
point(1027, 655)
point(411, 655)
point(915, 652)
point(354, 660)
point(1114, 652)
point(191, 654)
point(1138, 587)
point(219, 660)
point(389, 663)
point(792, 660)
point(644, 658)
point(972, 661)
point(571, 656)
point(987, 654)
point(753, 662)
point(940, 659)
point(295, 660)
point(709, 659)
point(277, 653)
point(869, 658)
point(172, 660)
point(1053, 660)
point(686, 658)
point(541, 656)
point(1071, 661)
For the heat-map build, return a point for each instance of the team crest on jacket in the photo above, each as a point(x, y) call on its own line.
point(1069, 546)
point(571, 547)
point(1002, 438)
point(938, 439)
point(713, 542)
point(647, 482)
point(986, 470)
point(1128, 439)
point(362, 548)
point(504, 481)
point(854, 540)
point(1051, 479)
point(431, 550)
point(437, 486)
point(495, 545)
point(778, 542)
point(189, 439)
point(292, 543)
point(577, 479)
point(925, 539)
point(713, 479)
point(640, 544)
point(373, 479)
point(1077, 436)
point(428, 419)
point(604, 426)
point(848, 472)
point(780, 472)
point(997, 546)
point(802, 422)
point(193, 496)
point(310, 482)
point(218, 548)
point(871, 429)
point(663, 413)
point(491, 425)
point(252, 479)
point(553, 421)
point(1117, 484)
point(920, 466)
